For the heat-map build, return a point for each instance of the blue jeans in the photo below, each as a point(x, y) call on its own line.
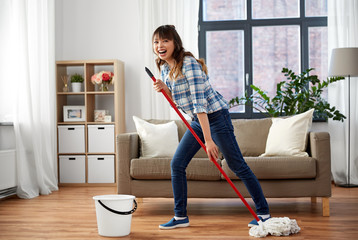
point(222, 133)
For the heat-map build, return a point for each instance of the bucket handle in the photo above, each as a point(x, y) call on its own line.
point(118, 212)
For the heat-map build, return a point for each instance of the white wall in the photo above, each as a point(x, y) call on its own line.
point(103, 29)
point(7, 137)
point(320, 127)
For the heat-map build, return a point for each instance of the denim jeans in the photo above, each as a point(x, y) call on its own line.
point(222, 133)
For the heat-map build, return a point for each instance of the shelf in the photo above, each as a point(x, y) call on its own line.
point(71, 93)
point(87, 123)
point(62, 154)
point(88, 93)
point(71, 123)
point(100, 123)
point(113, 101)
point(100, 93)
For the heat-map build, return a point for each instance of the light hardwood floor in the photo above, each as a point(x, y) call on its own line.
point(70, 214)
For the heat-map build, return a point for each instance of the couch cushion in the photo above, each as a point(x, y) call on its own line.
point(278, 167)
point(159, 168)
point(249, 131)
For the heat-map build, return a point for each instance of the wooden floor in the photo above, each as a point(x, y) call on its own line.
point(70, 214)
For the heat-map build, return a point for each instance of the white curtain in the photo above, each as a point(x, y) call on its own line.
point(184, 14)
point(343, 32)
point(32, 82)
point(6, 96)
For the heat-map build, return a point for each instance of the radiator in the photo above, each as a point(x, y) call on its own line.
point(7, 173)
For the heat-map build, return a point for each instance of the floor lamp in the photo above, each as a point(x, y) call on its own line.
point(344, 62)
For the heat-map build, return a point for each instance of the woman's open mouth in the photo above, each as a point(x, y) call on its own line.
point(162, 52)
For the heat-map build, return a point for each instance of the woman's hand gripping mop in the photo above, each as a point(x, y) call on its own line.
point(274, 226)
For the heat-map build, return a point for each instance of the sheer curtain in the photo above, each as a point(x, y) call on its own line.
point(32, 76)
point(6, 96)
point(184, 14)
point(343, 32)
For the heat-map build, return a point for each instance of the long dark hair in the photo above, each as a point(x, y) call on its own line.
point(169, 32)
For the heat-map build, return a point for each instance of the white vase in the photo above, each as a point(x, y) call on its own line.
point(76, 87)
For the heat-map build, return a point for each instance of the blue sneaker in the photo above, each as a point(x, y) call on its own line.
point(255, 223)
point(175, 223)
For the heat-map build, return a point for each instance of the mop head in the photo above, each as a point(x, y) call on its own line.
point(276, 227)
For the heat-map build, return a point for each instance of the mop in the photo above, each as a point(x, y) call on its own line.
point(273, 226)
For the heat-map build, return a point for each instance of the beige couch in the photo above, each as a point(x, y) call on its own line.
point(280, 177)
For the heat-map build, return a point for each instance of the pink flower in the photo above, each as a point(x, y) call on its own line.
point(93, 78)
point(103, 76)
point(98, 79)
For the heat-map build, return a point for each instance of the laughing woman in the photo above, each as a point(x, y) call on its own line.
point(185, 80)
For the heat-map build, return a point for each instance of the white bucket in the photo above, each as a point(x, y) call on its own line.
point(114, 214)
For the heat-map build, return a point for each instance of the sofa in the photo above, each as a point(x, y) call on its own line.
point(279, 176)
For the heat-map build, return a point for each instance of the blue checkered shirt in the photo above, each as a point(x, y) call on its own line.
point(192, 92)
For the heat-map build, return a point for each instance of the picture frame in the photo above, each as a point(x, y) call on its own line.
point(108, 118)
point(74, 113)
point(99, 115)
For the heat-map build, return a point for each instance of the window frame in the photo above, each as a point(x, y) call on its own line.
point(246, 25)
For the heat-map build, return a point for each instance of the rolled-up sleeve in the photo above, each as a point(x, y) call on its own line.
point(194, 74)
point(165, 79)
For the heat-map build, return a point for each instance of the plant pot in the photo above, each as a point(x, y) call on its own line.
point(76, 87)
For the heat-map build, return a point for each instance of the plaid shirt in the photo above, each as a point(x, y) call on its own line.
point(192, 92)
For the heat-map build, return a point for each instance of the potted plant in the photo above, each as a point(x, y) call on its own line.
point(76, 82)
point(295, 95)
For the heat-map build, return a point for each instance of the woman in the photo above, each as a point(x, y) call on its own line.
point(186, 82)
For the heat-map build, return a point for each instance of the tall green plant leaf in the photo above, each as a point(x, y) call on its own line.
point(296, 94)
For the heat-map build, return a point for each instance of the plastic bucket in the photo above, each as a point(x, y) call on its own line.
point(114, 214)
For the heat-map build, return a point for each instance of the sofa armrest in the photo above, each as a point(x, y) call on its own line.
point(127, 149)
point(321, 150)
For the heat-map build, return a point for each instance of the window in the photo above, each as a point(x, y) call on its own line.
point(248, 42)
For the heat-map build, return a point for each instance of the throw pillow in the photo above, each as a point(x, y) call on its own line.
point(157, 140)
point(287, 136)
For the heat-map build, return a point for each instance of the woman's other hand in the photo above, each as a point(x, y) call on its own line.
point(212, 150)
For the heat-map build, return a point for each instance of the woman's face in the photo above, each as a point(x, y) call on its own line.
point(163, 48)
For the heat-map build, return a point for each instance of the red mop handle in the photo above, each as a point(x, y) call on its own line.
point(204, 147)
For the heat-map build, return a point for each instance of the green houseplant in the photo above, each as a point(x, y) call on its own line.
point(77, 78)
point(76, 82)
point(293, 96)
